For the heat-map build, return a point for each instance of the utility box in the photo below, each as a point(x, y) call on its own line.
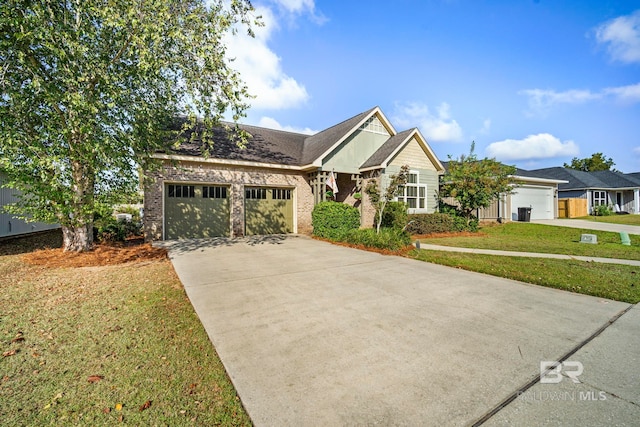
point(589, 238)
point(624, 238)
point(524, 214)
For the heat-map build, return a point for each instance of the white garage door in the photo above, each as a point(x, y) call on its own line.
point(540, 199)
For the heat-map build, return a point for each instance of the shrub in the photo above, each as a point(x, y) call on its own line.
point(459, 220)
point(430, 223)
point(602, 210)
point(333, 220)
point(389, 238)
point(394, 215)
point(113, 230)
point(460, 224)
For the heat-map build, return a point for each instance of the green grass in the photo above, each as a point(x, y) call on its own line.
point(130, 324)
point(614, 219)
point(611, 281)
point(529, 237)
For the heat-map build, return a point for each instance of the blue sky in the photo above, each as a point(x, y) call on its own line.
point(533, 82)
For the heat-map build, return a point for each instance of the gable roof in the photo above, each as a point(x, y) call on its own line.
point(388, 150)
point(318, 146)
point(294, 150)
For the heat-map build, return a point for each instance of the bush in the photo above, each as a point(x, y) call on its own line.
point(430, 223)
point(333, 220)
point(602, 210)
point(459, 221)
point(392, 239)
point(394, 215)
point(460, 224)
point(113, 230)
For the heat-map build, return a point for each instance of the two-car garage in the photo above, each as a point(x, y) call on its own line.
point(204, 210)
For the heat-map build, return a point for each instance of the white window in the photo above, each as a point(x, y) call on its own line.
point(413, 193)
point(599, 198)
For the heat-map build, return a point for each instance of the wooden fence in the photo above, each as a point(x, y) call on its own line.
point(572, 208)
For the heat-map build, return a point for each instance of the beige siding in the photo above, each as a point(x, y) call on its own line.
point(413, 154)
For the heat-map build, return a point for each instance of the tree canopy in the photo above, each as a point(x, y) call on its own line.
point(89, 87)
point(475, 183)
point(597, 162)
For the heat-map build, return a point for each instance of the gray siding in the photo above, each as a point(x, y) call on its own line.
point(12, 226)
point(427, 176)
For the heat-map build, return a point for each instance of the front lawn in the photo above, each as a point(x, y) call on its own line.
point(614, 219)
point(529, 237)
point(106, 345)
point(612, 281)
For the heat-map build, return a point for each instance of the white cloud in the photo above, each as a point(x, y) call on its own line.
point(629, 93)
point(540, 146)
point(622, 37)
point(541, 100)
point(260, 67)
point(486, 127)
point(299, 7)
point(296, 6)
point(271, 123)
point(438, 126)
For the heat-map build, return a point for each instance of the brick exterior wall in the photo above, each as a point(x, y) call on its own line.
point(236, 177)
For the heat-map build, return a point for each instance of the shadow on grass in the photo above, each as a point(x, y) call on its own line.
point(193, 245)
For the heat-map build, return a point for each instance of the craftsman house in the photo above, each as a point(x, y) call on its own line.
point(272, 185)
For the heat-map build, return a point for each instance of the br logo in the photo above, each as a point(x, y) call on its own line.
point(552, 372)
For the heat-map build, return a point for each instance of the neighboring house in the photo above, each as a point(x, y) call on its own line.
point(12, 226)
point(598, 188)
point(272, 185)
point(539, 194)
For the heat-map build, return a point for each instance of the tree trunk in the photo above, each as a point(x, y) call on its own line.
point(77, 234)
point(78, 238)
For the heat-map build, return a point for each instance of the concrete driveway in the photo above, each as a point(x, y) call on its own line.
point(317, 334)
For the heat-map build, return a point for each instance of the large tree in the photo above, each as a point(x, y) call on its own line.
point(89, 86)
point(597, 162)
point(475, 183)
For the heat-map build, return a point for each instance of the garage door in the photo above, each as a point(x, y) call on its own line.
point(268, 211)
point(195, 211)
point(540, 199)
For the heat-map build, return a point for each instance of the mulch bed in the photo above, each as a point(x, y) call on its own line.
point(101, 255)
point(449, 234)
point(45, 250)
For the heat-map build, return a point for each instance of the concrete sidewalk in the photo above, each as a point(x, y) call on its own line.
point(426, 246)
point(590, 225)
point(317, 334)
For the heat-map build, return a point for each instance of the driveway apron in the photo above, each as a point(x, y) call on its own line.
point(317, 334)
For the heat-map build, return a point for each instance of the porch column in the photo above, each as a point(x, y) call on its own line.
point(318, 182)
point(636, 200)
